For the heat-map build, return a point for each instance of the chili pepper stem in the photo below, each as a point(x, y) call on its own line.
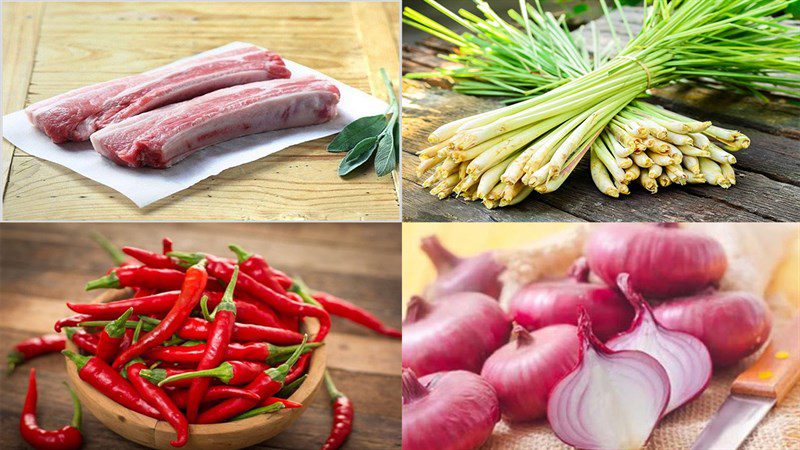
point(110, 281)
point(289, 389)
point(79, 360)
point(223, 372)
point(258, 411)
point(331, 388)
point(241, 254)
point(277, 353)
point(77, 412)
point(115, 253)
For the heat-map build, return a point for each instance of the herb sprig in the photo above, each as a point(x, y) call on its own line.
point(378, 135)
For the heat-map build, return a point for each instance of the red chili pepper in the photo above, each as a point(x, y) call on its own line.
point(287, 403)
point(251, 351)
point(110, 383)
point(151, 259)
point(342, 308)
point(197, 329)
point(85, 341)
point(111, 337)
point(285, 280)
point(143, 292)
point(68, 437)
point(219, 334)
point(72, 321)
point(192, 290)
point(247, 312)
point(265, 385)
point(280, 302)
point(33, 347)
point(342, 416)
point(213, 394)
point(161, 400)
point(256, 266)
point(152, 304)
point(166, 245)
point(229, 372)
point(140, 276)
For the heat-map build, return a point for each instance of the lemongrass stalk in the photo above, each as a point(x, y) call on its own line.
point(689, 150)
point(692, 164)
point(728, 173)
point(676, 174)
point(722, 134)
point(713, 173)
point(692, 178)
point(653, 128)
point(622, 188)
point(623, 163)
point(447, 168)
point(522, 195)
point(497, 192)
point(551, 142)
point(621, 135)
point(633, 127)
point(510, 192)
point(690, 125)
point(675, 155)
point(427, 164)
point(632, 173)
point(721, 156)
point(430, 181)
point(647, 182)
point(462, 170)
point(642, 160)
point(699, 140)
point(474, 152)
point(614, 145)
point(433, 150)
point(600, 175)
point(491, 177)
point(654, 171)
point(604, 155)
point(664, 180)
point(445, 187)
point(657, 145)
point(678, 139)
point(659, 159)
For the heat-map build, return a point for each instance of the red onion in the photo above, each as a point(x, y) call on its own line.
point(447, 410)
point(524, 371)
point(682, 355)
point(732, 325)
point(478, 273)
point(662, 259)
point(457, 333)
point(538, 305)
point(611, 400)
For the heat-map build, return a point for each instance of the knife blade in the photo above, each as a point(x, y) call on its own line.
point(755, 391)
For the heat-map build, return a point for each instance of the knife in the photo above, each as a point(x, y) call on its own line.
point(755, 392)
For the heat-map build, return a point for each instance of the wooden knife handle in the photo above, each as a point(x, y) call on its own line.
point(778, 368)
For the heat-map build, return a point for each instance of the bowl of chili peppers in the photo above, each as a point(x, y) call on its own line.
point(196, 351)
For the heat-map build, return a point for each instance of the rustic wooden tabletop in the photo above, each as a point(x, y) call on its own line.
point(768, 173)
point(42, 265)
point(49, 48)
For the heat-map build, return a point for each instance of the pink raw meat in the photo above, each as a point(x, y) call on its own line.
point(75, 115)
point(162, 137)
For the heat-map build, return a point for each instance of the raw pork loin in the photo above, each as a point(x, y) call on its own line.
point(75, 115)
point(164, 136)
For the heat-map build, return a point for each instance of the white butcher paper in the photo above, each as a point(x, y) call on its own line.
point(145, 185)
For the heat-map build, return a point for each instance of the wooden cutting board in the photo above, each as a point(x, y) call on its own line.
point(768, 173)
point(44, 265)
point(50, 48)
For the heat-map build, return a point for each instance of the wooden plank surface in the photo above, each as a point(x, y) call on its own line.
point(62, 46)
point(768, 175)
point(43, 265)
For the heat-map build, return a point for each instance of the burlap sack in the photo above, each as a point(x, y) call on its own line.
point(754, 251)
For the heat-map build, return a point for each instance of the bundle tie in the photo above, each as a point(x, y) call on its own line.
point(644, 67)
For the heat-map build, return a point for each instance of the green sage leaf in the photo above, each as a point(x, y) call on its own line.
point(356, 131)
point(358, 155)
point(384, 158)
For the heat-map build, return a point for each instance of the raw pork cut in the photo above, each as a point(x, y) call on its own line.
point(164, 136)
point(75, 115)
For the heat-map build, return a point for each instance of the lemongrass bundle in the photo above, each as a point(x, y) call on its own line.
point(569, 104)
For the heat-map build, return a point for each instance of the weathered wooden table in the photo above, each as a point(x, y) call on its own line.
point(768, 173)
point(42, 266)
point(49, 48)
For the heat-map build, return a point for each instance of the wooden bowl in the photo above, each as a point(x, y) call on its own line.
point(232, 435)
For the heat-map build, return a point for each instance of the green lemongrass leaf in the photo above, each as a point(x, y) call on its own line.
point(358, 130)
point(384, 158)
point(358, 155)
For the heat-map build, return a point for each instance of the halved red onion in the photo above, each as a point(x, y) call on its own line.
point(683, 356)
point(611, 400)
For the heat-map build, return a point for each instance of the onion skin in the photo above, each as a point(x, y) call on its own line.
point(479, 273)
point(611, 400)
point(447, 411)
point(538, 305)
point(683, 356)
point(732, 325)
point(663, 260)
point(456, 333)
point(524, 371)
